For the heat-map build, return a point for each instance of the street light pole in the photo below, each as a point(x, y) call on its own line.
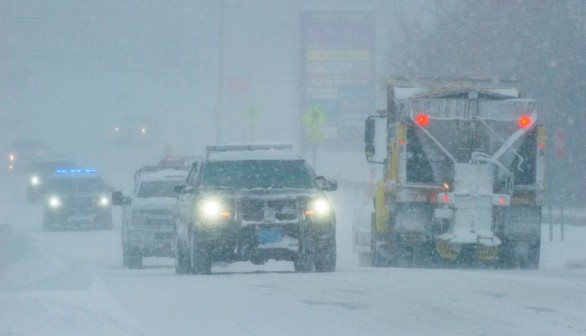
point(220, 74)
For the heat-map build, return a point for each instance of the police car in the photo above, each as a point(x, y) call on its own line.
point(40, 173)
point(77, 198)
point(254, 203)
point(147, 224)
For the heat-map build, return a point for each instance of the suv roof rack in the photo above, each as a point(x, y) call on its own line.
point(248, 147)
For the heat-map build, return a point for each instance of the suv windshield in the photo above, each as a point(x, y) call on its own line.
point(258, 174)
point(157, 189)
point(77, 184)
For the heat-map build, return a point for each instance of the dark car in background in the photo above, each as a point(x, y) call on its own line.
point(134, 130)
point(23, 152)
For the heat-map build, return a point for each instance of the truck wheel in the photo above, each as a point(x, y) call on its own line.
point(131, 257)
point(510, 258)
point(326, 260)
point(182, 261)
point(200, 259)
point(303, 265)
point(365, 259)
point(531, 261)
point(377, 260)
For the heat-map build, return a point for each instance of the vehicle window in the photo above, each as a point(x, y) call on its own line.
point(157, 189)
point(192, 177)
point(77, 184)
point(258, 174)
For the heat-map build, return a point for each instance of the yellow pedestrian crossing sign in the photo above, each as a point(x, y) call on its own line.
point(314, 118)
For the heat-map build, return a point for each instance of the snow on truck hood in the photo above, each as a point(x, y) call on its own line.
point(266, 193)
point(167, 203)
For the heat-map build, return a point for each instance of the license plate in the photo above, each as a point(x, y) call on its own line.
point(267, 236)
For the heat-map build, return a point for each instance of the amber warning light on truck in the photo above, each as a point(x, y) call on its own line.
point(525, 121)
point(422, 119)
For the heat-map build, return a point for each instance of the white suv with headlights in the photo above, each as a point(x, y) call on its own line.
point(254, 203)
point(147, 214)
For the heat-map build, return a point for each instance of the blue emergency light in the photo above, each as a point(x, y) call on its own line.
point(69, 171)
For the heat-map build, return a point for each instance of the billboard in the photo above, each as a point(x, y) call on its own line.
point(337, 56)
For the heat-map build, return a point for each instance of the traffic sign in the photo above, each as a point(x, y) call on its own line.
point(314, 118)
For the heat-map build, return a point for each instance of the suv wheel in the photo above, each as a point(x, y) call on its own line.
point(182, 261)
point(303, 264)
point(200, 259)
point(325, 260)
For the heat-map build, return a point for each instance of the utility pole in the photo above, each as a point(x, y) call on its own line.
point(220, 74)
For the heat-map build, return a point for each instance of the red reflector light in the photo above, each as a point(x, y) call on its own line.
point(422, 119)
point(501, 200)
point(401, 142)
point(525, 121)
point(541, 145)
point(446, 198)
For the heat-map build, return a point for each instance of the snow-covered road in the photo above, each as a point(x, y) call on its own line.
point(72, 283)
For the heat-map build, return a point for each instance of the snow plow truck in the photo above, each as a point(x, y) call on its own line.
point(463, 175)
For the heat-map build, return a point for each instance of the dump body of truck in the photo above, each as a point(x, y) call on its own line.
point(463, 177)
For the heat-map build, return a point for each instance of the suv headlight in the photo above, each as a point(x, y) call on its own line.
point(35, 180)
point(54, 202)
point(319, 208)
point(212, 209)
point(103, 201)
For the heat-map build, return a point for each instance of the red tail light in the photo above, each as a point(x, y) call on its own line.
point(422, 119)
point(446, 198)
point(525, 121)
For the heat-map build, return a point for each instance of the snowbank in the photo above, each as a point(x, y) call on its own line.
point(22, 263)
point(41, 295)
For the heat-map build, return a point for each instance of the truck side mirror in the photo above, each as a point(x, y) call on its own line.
point(179, 188)
point(375, 136)
point(369, 129)
point(184, 189)
point(119, 199)
point(324, 184)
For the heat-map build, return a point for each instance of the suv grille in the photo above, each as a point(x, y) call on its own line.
point(79, 202)
point(255, 209)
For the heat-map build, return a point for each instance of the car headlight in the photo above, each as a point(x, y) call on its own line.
point(212, 208)
point(319, 208)
point(103, 201)
point(35, 180)
point(54, 202)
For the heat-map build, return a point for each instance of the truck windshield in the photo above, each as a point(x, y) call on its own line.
point(68, 185)
point(252, 174)
point(151, 189)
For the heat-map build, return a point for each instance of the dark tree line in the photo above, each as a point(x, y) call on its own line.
point(542, 43)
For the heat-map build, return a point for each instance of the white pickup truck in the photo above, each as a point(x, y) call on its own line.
point(147, 214)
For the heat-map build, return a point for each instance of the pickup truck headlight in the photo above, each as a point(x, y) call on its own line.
point(319, 208)
point(103, 201)
point(54, 202)
point(212, 209)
